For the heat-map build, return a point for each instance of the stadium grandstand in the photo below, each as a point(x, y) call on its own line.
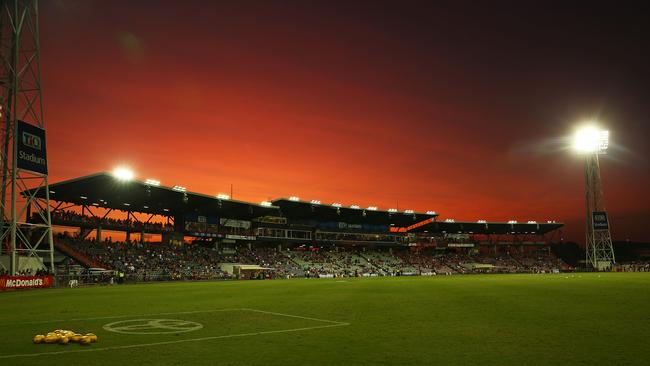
point(111, 228)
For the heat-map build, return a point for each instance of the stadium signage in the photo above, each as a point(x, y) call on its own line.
point(235, 223)
point(31, 148)
point(600, 220)
point(460, 245)
point(19, 282)
point(240, 237)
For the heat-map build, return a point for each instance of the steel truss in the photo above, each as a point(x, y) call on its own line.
point(599, 249)
point(21, 100)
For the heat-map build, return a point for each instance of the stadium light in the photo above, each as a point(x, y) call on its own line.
point(431, 212)
point(392, 210)
point(512, 221)
point(482, 221)
point(315, 202)
point(223, 196)
point(372, 208)
point(532, 222)
point(294, 198)
point(179, 188)
point(266, 204)
point(590, 140)
point(152, 182)
point(123, 174)
point(355, 207)
point(450, 220)
point(409, 211)
point(336, 204)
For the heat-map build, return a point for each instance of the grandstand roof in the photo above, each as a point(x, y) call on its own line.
point(294, 209)
point(486, 227)
point(104, 190)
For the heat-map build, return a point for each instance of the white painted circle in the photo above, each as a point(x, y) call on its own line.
point(153, 326)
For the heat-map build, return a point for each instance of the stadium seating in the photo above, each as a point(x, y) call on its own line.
point(156, 261)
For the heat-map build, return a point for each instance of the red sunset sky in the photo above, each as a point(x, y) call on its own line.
point(446, 107)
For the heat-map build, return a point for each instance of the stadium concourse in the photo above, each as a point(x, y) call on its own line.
point(169, 233)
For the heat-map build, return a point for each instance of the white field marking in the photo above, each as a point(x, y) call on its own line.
point(239, 335)
point(296, 316)
point(122, 316)
point(153, 326)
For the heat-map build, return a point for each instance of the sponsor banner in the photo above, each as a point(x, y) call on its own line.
point(600, 220)
point(31, 148)
point(235, 223)
point(18, 282)
point(460, 245)
point(240, 237)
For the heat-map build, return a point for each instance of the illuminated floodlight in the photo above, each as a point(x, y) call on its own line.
point(431, 212)
point(179, 188)
point(512, 221)
point(355, 207)
point(223, 196)
point(266, 204)
point(152, 182)
point(392, 210)
point(590, 140)
point(450, 220)
point(336, 204)
point(372, 208)
point(409, 211)
point(316, 202)
point(294, 198)
point(532, 222)
point(482, 221)
point(123, 173)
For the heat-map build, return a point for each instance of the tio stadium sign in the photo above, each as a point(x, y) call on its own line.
point(19, 282)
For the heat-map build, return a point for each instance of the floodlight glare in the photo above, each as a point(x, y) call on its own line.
point(590, 140)
point(223, 196)
point(123, 173)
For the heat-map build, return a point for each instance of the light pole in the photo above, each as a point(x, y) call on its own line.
point(591, 142)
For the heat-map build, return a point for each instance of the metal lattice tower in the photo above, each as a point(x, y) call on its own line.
point(600, 252)
point(25, 223)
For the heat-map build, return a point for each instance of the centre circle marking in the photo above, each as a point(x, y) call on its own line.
point(153, 326)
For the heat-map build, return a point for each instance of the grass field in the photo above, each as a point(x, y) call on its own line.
point(584, 319)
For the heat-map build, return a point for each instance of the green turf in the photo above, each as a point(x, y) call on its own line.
point(587, 319)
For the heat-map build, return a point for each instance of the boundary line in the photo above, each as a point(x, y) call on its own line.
point(332, 324)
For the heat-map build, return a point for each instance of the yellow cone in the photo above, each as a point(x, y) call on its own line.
point(75, 338)
point(39, 338)
point(51, 339)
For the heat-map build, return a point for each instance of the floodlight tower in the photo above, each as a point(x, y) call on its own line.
point(592, 142)
point(25, 223)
